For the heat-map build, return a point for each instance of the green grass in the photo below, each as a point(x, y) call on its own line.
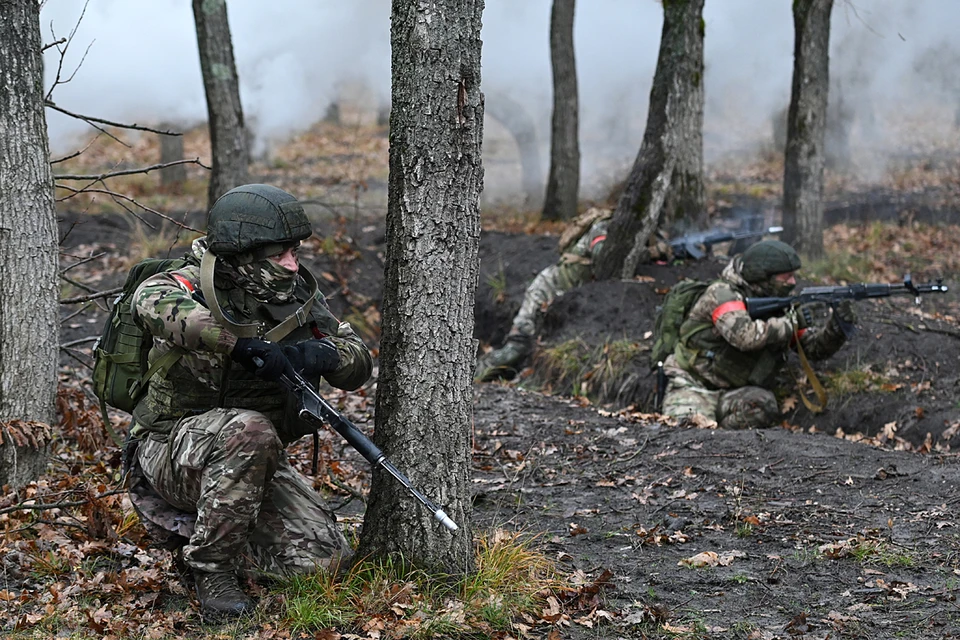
point(854, 380)
point(576, 368)
point(512, 579)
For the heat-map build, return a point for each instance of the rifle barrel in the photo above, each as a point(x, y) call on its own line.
point(300, 387)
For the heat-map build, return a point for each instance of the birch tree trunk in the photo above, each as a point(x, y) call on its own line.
point(228, 137)
point(666, 181)
point(29, 306)
point(806, 124)
point(424, 393)
point(563, 182)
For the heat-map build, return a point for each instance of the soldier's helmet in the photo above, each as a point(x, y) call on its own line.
point(766, 259)
point(253, 221)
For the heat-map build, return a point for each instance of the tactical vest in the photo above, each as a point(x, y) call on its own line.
point(181, 394)
point(698, 339)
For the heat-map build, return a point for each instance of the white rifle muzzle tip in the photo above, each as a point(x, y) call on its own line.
point(445, 520)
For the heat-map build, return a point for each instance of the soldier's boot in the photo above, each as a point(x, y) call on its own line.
point(220, 594)
point(504, 363)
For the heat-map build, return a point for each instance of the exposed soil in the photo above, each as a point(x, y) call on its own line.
point(815, 536)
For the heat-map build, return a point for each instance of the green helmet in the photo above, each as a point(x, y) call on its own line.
point(254, 221)
point(768, 258)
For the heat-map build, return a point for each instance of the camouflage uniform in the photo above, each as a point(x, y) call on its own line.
point(574, 268)
point(725, 362)
point(210, 469)
point(580, 245)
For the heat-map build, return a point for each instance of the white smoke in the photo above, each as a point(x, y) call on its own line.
point(294, 55)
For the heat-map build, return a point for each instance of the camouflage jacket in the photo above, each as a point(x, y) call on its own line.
point(724, 348)
point(205, 377)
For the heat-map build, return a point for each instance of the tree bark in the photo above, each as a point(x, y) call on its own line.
point(229, 146)
point(171, 150)
point(666, 181)
point(522, 127)
point(806, 124)
point(424, 392)
point(29, 306)
point(563, 182)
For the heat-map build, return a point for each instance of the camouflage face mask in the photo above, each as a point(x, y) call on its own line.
point(266, 280)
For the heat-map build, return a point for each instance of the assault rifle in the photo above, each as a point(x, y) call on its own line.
point(315, 410)
point(763, 308)
point(689, 246)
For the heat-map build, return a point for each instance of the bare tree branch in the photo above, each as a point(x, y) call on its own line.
point(77, 284)
point(93, 296)
point(75, 343)
point(80, 262)
point(110, 123)
point(77, 153)
point(116, 195)
point(74, 314)
point(127, 172)
point(23, 506)
point(52, 44)
point(73, 354)
point(63, 52)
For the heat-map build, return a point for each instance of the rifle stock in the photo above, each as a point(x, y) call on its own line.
point(763, 308)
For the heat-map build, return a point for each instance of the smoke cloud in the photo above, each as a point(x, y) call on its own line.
point(892, 62)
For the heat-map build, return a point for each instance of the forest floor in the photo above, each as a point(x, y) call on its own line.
point(840, 524)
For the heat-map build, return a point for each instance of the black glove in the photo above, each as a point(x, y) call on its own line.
point(313, 357)
point(272, 361)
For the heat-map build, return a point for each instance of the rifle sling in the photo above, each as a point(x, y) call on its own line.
point(818, 389)
point(254, 330)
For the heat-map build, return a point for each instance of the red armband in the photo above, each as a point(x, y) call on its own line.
point(186, 283)
point(727, 307)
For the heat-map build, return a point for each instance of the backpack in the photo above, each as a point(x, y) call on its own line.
point(120, 370)
point(671, 314)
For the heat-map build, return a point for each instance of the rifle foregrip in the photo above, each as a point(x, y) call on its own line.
point(764, 308)
point(350, 433)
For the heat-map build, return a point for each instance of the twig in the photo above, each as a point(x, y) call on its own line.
point(92, 296)
point(63, 52)
point(77, 283)
point(52, 44)
point(116, 195)
point(77, 153)
point(74, 314)
point(79, 341)
point(84, 260)
point(635, 453)
point(23, 506)
point(70, 352)
point(127, 172)
point(91, 119)
point(47, 522)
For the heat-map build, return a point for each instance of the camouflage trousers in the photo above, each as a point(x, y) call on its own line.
point(550, 283)
point(742, 408)
point(221, 483)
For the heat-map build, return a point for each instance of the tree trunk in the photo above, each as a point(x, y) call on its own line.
point(171, 150)
point(806, 124)
point(425, 388)
point(666, 181)
point(228, 138)
point(563, 183)
point(29, 306)
point(522, 127)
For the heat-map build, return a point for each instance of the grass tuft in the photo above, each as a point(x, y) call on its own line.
point(512, 581)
